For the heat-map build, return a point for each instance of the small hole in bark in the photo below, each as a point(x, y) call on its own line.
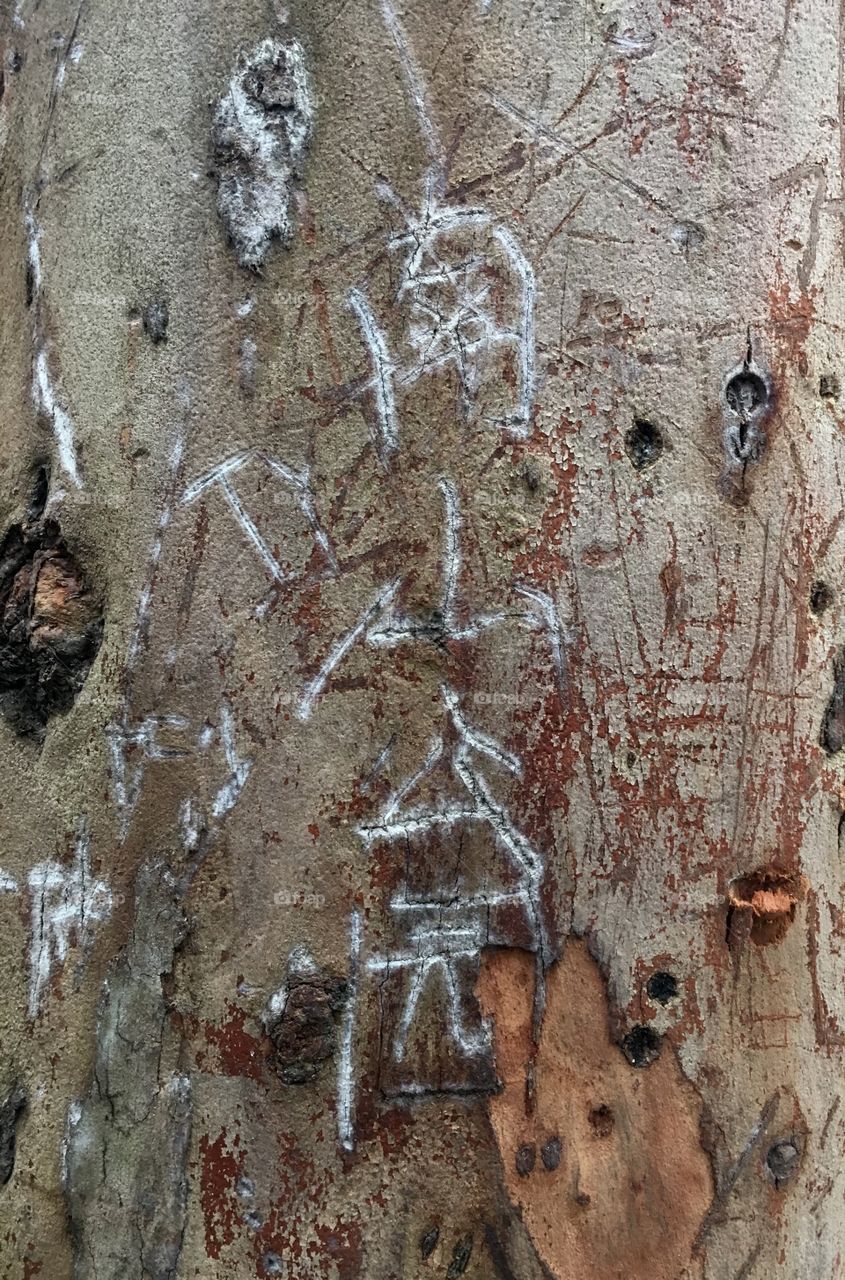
point(602, 1121)
point(829, 388)
point(428, 1243)
point(662, 987)
point(550, 1154)
point(782, 1160)
point(746, 394)
point(643, 443)
point(461, 1255)
point(526, 1158)
point(747, 398)
point(821, 598)
point(641, 1046)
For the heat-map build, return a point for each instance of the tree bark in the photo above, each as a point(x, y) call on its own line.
point(422, 670)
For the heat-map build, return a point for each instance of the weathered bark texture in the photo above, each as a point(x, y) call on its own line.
point(422, 652)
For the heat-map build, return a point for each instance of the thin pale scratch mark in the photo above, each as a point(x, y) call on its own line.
point(414, 80)
point(382, 601)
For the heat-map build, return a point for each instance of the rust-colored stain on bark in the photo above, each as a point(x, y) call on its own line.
point(631, 1184)
point(221, 1169)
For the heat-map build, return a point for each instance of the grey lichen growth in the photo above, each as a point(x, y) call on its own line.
point(262, 125)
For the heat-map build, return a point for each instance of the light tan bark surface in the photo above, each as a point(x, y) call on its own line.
point(421, 608)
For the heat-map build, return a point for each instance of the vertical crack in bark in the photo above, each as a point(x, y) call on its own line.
point(127, 1141)
point(10, 1114)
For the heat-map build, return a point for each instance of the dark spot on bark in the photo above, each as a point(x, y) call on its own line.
point(762, 905)
point(526, 1158)
point(662, 987)
point(782, 1160)
point(833, 724)
point(829, 388)
point(305, 1034)
point(641, 1046)
point(531, 474)
point(602, 1120)
point(272, 1264)
point(51, 625)
point(550, 1153)
point(461, 1255)
point(428, 1243)
point(643, 443)
point(10, 1113)
point(687, 235)
point(748, 401)
point(39, 495)
point(155, 318)
point(746, 393)
point(821, 598)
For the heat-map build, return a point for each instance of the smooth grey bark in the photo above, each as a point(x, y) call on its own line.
point(420, 639)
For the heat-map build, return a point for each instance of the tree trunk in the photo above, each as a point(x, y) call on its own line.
point(420, 625)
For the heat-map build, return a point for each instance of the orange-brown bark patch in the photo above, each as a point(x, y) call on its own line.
point(632, 1183)
point(765, 903)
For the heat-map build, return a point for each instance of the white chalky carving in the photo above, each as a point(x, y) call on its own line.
point(298, 482)
point(398, 628)
point(540, 613)
point(67, 905)
point(476, 805)
point(239, 770)
point(447, 252)
point(339, 650)
point(45, 394)
point(443, 935)
point(132, 747)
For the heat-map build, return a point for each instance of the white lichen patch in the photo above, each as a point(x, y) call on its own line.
point(262, 125)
